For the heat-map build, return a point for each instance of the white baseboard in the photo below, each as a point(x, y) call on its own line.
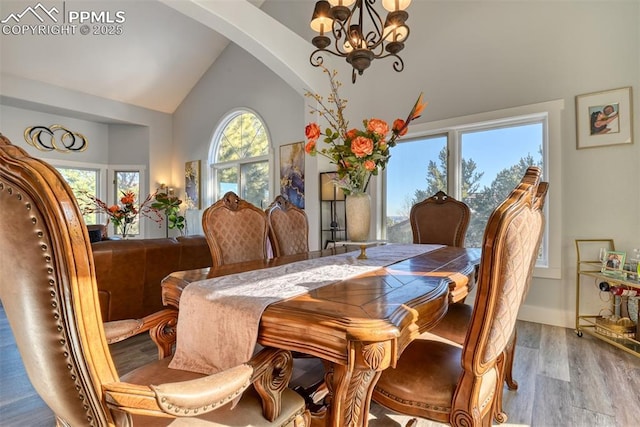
point(564, 319)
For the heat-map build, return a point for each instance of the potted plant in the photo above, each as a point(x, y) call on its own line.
point(170, 205)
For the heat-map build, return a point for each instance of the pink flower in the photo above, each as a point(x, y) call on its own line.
point(362, 146)
point(310, 148)
point(378, 126)
point(399, 127)
point(312, 131)
point(352, 133)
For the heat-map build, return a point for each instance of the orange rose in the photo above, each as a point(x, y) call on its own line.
point(399, 127)
point(369, 165)
point(362, 146)
point(310, 148)
point(352, 133)
point(312, 131)
point(113, 209)
point(378, 126)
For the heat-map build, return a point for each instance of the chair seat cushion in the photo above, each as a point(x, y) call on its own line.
point(454, 324)
point(425, 379)
point(246, 412)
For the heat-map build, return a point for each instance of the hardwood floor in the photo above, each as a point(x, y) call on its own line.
point(564, 381)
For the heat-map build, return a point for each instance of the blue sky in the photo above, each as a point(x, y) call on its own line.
point(492, 150)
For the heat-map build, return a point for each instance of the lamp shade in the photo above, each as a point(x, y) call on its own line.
point(341, 2)
point(394, 32)
point(320, 20)
point(393, 5)
point(328, 189)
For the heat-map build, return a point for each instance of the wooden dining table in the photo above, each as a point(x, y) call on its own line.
point(358, 326)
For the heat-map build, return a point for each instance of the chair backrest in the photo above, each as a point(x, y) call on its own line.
point(440, 219)
point(48, 289)
point(236, 230)
point(288, 228)
point(510, 248)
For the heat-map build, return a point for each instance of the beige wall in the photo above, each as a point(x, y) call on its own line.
point(468, 58)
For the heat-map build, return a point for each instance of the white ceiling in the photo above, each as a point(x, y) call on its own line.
point(155, 62)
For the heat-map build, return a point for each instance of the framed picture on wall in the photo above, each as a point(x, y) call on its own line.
point(192, 184)
point(604, 118)
point(292, 173)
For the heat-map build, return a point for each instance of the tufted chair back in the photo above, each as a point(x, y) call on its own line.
point(459, 384)
point(440, 219)
point(288, 228)
point(49, 293)
point(236, 230)
point(509, 253)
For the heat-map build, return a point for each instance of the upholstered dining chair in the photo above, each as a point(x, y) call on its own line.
point(454, 325)
point(48, 290)
point(288, 228)
point(440, 219)
point(236, 230)
point(460, 385)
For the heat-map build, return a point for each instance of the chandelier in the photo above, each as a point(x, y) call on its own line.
point(351, 40)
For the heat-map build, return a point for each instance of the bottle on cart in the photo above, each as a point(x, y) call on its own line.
point(618, 290)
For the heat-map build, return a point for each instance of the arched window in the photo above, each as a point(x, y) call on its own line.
point(240, 158)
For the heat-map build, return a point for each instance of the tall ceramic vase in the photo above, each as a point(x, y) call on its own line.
point(358, 208)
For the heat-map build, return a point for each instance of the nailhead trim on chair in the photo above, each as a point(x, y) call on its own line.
point(164, 402)
point(55, 301)
point(443, 409)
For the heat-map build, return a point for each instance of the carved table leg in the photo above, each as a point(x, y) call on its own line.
point(350, 386)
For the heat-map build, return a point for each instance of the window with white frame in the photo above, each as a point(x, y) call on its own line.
point(129, 180)
point(83, 180)
point(91, 179)
point(240, 158)
point(478, 160)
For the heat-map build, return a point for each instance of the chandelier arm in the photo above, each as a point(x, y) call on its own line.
point(339, 30)
point(376, 20)
point(398, 63)
point(316, 58)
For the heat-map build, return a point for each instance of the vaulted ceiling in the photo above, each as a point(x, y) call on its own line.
point(154, 63)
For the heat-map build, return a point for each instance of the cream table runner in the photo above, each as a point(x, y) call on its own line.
point(219, 318)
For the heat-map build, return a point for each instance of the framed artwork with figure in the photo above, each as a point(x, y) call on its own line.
point(192, 184)
point(604, 118)
point(292, 173)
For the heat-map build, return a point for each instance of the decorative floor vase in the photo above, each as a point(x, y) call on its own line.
point(358, 208)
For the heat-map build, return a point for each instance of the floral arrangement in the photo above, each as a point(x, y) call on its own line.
point(357, 153)
point(125, 214)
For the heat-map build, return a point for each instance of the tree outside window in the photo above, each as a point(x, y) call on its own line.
point(492, 162)
point(82, 181)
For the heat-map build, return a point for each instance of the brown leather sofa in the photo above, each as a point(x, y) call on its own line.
point(129, 272)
